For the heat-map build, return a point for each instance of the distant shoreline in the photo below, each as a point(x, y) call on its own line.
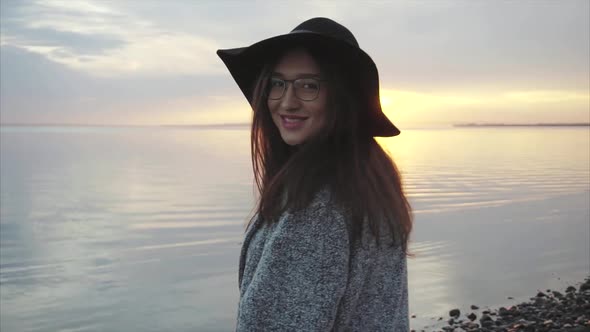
point(521, 125)
point(247, 125)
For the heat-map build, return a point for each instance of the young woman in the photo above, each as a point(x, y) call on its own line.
point(326, 250)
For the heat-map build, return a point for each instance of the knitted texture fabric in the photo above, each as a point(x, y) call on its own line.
point(300, 274)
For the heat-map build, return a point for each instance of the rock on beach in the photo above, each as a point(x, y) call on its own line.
point(549, 311)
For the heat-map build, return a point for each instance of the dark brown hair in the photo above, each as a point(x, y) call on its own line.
point(343, 157)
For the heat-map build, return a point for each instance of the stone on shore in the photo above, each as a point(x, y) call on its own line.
point(546, 312)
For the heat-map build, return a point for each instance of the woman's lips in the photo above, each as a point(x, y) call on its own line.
point(292, 121)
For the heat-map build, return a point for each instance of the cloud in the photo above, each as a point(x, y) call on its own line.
point(29, 38)
point(35, 89)
point(414, 44)
point(549, 97)
point(104, 41)
point(149, 62)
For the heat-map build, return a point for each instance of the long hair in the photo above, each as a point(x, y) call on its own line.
point(344, 157)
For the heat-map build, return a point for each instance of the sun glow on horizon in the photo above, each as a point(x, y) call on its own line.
point(449, 107)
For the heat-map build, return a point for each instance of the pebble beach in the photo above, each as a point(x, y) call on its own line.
point(547, 311)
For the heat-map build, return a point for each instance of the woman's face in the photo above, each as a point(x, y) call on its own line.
point(297, 119)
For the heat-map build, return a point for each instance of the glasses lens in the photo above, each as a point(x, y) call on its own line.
point(277, 86)
point(307, 88)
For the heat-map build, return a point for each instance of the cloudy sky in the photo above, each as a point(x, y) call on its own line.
point(154, 62)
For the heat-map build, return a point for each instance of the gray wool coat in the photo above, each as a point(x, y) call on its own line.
point(299, 274)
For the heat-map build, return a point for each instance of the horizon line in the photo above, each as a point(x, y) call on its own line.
point(120, 125)
point(244, 124)
point(537, 124)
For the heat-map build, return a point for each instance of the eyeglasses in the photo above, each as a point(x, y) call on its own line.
point(306, 89)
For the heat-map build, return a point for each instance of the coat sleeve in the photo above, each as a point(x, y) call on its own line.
point(301, 276)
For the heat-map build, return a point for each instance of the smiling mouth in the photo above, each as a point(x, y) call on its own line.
point(293, 118)
point(292, 122)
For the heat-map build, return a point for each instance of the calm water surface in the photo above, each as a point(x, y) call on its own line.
point(139, 229)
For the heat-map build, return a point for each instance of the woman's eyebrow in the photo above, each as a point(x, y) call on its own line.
point(300, 75)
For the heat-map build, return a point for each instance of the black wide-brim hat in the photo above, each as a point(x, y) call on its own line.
point(246, 63)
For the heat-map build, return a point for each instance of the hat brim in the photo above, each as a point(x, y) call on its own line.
point(246, 63)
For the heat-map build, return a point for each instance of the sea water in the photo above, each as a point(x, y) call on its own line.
point(139, 228)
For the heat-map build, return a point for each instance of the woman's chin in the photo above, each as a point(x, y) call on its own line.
point(292, 141)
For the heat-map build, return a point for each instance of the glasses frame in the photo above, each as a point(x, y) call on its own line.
point(293, 83)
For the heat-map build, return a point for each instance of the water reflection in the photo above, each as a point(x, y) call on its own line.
point(140, 229)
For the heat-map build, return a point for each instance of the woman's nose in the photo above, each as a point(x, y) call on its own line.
point(289, 99)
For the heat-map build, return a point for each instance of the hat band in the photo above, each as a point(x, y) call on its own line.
point(299, 31)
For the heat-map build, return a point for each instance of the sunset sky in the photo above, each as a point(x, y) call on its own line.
point(153, 62)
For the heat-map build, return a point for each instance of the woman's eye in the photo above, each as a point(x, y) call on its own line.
point(310, 85)
point(277, 83)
